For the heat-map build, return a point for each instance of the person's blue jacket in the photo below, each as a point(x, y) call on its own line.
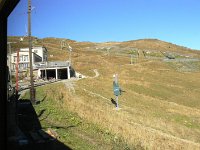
point(116, 89)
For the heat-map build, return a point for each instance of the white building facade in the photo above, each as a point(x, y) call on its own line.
point(40, 51)
point(39, 54)
point(24, 60)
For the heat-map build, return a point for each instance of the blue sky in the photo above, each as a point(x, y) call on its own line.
point(175, 21)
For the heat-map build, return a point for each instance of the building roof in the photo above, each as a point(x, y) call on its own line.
point(38, 47)
point(25, 53)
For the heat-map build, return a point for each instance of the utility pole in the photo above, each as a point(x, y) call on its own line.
point(32, 90)
point(70, 50)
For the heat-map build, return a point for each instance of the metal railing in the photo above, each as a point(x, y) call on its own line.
point(52, 64)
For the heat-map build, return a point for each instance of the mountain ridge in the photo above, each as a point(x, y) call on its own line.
point(139, 44)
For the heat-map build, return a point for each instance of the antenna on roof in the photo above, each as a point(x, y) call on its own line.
point(26, 34)
point(22, 38)
point(32, 8)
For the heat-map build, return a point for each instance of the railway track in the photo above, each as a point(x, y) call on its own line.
point(23, 87)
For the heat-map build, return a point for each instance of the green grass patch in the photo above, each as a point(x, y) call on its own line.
point(73, 130)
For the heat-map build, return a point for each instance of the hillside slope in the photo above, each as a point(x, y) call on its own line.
point(142, 44)
point(160, 108)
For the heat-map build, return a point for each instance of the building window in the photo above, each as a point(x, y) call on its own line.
point(20, 66)
point(25, 58)
point(15, 58)
point(14, 67)
point(25, 66)
point(35, 51)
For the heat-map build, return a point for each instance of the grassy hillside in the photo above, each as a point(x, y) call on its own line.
point(150, 47)
point(75, 131)
point(160, 108)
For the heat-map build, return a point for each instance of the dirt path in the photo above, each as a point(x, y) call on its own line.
point(96, 73)
point(141, 54)
point(70, 84)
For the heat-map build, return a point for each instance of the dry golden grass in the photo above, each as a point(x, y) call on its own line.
point(136, 123)
point(155, 44)
point(160, 108)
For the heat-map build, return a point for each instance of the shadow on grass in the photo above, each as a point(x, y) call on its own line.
point(31, 136)
point(43, 98)
point(113, 102)
point(60, 127)
point(41, 113)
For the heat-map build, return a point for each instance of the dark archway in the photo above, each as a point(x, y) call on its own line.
point(51, 73)
point(62, 73)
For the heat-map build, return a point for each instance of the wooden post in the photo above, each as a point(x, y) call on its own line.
point(32, 89)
